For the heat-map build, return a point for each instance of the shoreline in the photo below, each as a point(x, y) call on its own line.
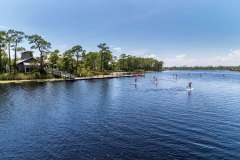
point(76, 79)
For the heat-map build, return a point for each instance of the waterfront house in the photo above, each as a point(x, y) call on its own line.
point(27, 63)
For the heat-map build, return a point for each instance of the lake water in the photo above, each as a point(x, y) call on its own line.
point(115, 119)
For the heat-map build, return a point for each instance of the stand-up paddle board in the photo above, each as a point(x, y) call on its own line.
point(190, 89)
point(133, 83)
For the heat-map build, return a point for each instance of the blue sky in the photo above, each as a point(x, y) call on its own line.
point(180, 32)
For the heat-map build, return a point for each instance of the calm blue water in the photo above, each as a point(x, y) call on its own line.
point(115, 119)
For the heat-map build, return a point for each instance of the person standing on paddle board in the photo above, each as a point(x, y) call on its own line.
point(190, 85)
point(135, 79)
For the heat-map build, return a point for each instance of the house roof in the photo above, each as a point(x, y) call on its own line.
point(24, 60)
point(29, 64)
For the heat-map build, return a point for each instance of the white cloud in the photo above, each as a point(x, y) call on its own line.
point(150, 56)
point(2, 27)
point(181, 56)
point(233, 57)
point(62, 47)
point(229, 59)
point(117, 49)
point(179, 61)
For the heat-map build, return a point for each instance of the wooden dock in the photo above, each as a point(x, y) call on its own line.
point(62, 74)
point(71, 77)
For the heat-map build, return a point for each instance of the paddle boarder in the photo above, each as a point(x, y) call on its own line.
point(190, 85)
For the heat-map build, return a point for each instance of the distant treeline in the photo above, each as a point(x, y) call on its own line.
point(231, 68)
point(74, 60)
point(131, 63)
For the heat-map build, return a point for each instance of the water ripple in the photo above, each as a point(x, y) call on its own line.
point(111, 119)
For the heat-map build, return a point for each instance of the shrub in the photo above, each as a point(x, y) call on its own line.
point(24, 76)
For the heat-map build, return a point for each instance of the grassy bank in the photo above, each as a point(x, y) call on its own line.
point(37, 75)
point(23, 76)
point(49, 78)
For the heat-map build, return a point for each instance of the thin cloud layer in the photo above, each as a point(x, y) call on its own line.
point(229, 59)
point(2, 27)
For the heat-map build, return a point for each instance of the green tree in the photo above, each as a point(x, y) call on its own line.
point(122, 62)
point(68, 61)
point(77, 50)
point(9, 40)
point(132, 63)
point(42, 45)
point(2, 48)
point(84, 55)
point(21, 49)
point(53, 59)
point(92, 60)
point(17, 37)
point(105, 56)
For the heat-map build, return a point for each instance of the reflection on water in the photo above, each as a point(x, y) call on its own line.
point(118, 119)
